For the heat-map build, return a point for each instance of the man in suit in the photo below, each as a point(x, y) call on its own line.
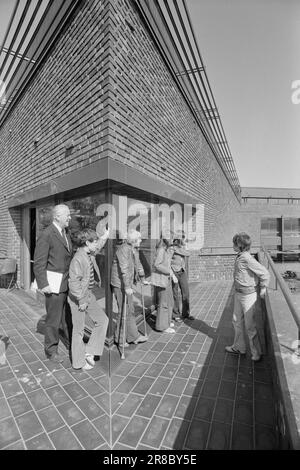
point(53, 253)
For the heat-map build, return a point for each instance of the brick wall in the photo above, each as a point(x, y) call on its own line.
point(105, 88)
point(211, 267)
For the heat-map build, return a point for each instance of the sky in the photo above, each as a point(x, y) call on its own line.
point(251, 50)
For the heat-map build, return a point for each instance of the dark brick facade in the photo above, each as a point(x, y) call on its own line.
point(105, 91)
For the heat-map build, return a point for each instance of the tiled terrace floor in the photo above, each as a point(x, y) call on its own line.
point(179, 391)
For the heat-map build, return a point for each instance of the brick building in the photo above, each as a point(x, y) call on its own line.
point(103, 115)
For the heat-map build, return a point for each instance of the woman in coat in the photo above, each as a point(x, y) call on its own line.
point(161, 277)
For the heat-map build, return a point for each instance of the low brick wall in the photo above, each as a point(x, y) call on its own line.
point(209, 267)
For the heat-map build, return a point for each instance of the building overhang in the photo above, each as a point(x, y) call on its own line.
point(104, 170)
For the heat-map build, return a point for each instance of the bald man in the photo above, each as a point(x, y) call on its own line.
point(53, 253)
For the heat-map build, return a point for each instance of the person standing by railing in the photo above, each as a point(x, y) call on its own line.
point(249, 277)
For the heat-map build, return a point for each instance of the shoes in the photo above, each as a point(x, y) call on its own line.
point(87, 366)
point(90, 359)
point(56, 358)
point(172, 324)
point(177, 319)
point(188, 317)
point(169, 330)
point(126, 345)
point(256, 358)
point(232, 350)
point(141, 339)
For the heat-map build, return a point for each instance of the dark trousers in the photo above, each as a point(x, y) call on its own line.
point(185, 294)
point(55, 319)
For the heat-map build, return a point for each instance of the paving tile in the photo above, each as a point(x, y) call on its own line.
point(11, 387)
point(230, 373)
point(219, 438)
point(197, 435)
point(245, 374)
point(117, 399)
point(50, 418)
point(64, 439)
point(177, 386)
point(8, 432)
point(264, 413)
point(125, 368)
point(160, 386)
point(19, 445)
point(118, 423)
point(19, 404)
point(71, 413)
point(29, 425)
point(5, 373)
point(177, 357)
point(133, 431)
point(186, 407)
point(204, 408)
point(22, 371)
point(263, 391)
point(170, 347)
point(158, 346)
point(143, 385)
point(176, 434)
point(4, 409)
point(214, 372)
point(75, 391)
point(150, 356)
point(90, 408)
point(63, 377)
point(163, 357)
point(169, 370)
point(167, 406)
point(262, 375)
point(129, 406)
point(223, 411)
point(103, 400)
point(92, 387)
point(57, 395)
point(184, 371)
point(103, 425)
point(29, 357)
point(47, 380)
point(23, 348)
point(148, 406)
point(39, 399)
point(139, 369)
point(41, 442)
point(115, 381)
point(14, 360)
point(29, 383)
point(244, 391)
point(227, 389)
point(193, 387)
point(155, 432)
point(242, 437)
point(210, 388)
point(127, 384)
point(243, 412)
point(265, 438)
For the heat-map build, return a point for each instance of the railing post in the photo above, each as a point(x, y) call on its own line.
point(298, 351)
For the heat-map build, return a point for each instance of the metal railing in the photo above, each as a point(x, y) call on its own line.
point(285, 291)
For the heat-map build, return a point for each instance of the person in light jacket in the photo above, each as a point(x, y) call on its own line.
point(84, 300)
point(249, 277)
point(162, 277)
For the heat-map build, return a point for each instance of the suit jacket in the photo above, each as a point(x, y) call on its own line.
point(52, 254)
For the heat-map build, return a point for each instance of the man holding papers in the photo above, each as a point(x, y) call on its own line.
point(52, 259)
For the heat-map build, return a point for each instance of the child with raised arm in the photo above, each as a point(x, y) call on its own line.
point(249, 277)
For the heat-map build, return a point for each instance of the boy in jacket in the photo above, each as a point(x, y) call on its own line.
point(249, 277)
point(83, 301)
